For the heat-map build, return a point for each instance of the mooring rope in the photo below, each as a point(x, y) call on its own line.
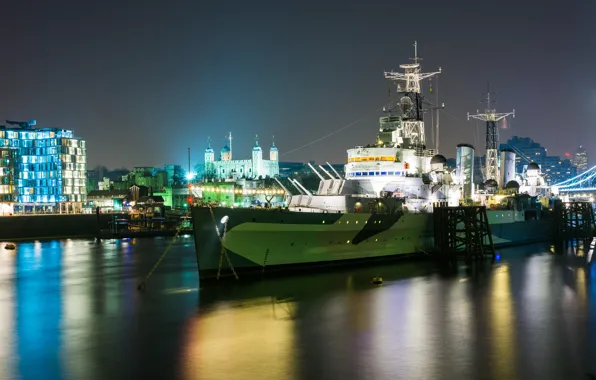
point(143, 284)
point(222, 252)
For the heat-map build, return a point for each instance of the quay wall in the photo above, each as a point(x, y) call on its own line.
point(29, 227)
point(534, 231)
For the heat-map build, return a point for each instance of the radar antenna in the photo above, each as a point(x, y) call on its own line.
point(411, 101)
point(412, 75)
point(491, 117)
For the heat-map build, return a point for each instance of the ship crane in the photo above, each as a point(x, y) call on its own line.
point(491, 117)
point(22, 124)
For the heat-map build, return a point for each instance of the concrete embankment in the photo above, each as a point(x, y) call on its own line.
point(29, 227)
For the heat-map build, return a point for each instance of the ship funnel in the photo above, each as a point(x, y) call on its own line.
point(465, 169)
point(507, 167)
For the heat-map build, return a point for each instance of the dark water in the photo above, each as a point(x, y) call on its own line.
point(71, 310)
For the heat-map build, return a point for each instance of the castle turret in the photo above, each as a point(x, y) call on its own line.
point(257, 158)
point(273, 154)
point(226, 153)
point(209, 153)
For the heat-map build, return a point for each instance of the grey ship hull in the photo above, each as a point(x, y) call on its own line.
point(258, 241)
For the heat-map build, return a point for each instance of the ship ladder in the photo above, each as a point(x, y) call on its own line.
point(222, 252)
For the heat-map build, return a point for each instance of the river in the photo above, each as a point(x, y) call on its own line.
point(70, 309)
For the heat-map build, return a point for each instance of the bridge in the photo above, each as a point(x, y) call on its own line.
point(583, 184)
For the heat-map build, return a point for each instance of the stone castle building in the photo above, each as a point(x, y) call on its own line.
point(254, 168)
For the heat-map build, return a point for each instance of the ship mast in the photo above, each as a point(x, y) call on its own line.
point(491, 117)
point(411, 101)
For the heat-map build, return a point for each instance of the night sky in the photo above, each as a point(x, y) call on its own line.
point(143, 81)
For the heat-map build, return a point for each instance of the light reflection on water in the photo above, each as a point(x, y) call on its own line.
point(70, 310)
point(251, 337)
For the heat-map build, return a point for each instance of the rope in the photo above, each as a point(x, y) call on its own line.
point(332, 133)
point(143, 284)
point(223, 252)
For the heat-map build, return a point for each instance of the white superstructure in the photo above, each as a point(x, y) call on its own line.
point(398, 169)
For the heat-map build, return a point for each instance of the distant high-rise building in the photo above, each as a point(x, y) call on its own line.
point(581, 160)
point(42, 169)
point(527, 151)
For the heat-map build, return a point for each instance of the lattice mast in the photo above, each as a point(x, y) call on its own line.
point(491, 117)
point(411, 101)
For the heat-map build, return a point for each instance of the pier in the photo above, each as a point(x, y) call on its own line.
point(573, 220)
point(462, 231)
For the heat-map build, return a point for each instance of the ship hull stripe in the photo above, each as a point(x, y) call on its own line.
point(259, 241)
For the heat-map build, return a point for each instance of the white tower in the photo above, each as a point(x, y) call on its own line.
point(209, 159)
point(257, 158)
point(273, 154)
point(411, 101)
point(491, 117)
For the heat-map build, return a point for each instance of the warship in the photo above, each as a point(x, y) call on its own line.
point(380, 208)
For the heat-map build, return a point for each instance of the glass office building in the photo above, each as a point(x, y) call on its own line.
point(42, 168)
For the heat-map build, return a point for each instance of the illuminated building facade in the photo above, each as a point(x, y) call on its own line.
point(242, 193)
point(554, 168)
point(255, 168)
point(42, 170)
point(581, 160)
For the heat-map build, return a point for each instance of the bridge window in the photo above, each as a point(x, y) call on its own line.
point(371, 173)
point(358, 174)
point(383, 173)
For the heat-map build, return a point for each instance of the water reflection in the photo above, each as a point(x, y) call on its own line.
point(70, 309)
point(38, 311)
point(7, 349)
point(502, 325)
point(240, 336)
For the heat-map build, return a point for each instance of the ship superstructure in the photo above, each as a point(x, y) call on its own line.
point(397, 165)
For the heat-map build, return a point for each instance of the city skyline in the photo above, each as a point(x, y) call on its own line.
point(143, 84)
